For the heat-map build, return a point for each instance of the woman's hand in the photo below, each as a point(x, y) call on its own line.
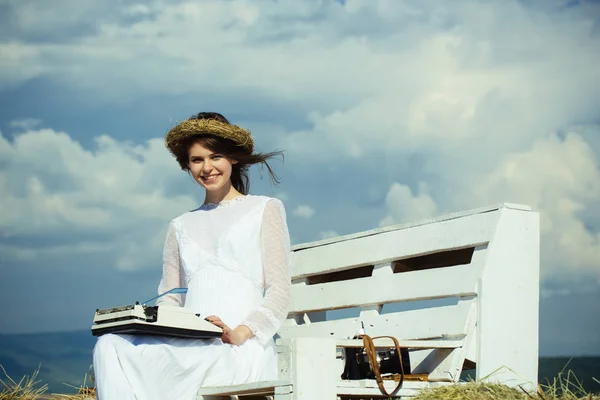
point(235, 336)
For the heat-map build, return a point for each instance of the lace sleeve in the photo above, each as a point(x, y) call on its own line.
point(171, 276)
point(275, 249)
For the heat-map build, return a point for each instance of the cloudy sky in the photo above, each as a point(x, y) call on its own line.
point(389, 112)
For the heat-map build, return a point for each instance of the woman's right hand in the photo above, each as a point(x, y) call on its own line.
point(235, 336)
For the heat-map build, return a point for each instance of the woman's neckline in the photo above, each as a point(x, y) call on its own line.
point(223, 203)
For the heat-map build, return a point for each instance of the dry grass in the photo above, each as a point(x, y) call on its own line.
point(83, 393)
point(28, 388)
point(24, 389)
point(496, 391)
point(565, 386)
point(471, 391)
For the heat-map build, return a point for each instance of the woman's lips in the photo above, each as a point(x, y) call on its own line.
point(209, 179)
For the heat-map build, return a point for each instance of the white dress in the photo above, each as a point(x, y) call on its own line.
point(234, 259)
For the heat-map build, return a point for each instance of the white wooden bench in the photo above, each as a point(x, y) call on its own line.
point(458, 290)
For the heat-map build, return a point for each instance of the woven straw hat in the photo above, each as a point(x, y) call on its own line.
point(197, 127)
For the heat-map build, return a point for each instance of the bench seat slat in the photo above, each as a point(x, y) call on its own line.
point(255, 388)
point(368, 387)
point(411, 344)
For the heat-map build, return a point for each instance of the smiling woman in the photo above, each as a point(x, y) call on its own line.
point(232, 255)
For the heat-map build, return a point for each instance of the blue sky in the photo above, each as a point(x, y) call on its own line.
point(389, 112)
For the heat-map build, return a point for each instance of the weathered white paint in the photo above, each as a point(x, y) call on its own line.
point(491, 317)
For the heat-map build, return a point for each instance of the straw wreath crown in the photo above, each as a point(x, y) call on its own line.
point(196, 127)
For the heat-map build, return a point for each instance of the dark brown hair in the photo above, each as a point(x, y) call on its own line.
point(229, 149)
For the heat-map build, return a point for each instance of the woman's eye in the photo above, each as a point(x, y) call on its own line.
point(216, 157)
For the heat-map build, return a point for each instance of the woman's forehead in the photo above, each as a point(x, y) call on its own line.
point(199, 149)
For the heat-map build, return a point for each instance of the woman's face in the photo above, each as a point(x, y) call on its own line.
point(211, 170)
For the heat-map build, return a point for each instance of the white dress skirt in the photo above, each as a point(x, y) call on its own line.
point(234, 259)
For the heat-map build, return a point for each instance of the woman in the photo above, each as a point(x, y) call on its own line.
point(232, 253)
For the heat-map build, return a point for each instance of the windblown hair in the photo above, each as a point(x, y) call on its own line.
point(229, 149)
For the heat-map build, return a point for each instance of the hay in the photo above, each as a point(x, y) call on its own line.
point(83, 392)
point(563, 388)
point(191, 127)
point(25, 389)
point(471, 391)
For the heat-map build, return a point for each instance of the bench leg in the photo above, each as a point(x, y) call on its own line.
point(310, 364)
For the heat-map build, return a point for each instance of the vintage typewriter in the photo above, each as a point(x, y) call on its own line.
point(141, 319)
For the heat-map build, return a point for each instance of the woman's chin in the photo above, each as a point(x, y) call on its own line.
point(211, 187)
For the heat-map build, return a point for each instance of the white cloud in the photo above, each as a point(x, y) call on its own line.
point(409, 59)
point(560, 178)
point(303, 211)
point(112, 198)
point(402, 206)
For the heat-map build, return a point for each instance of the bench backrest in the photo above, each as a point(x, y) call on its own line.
point(470, 276)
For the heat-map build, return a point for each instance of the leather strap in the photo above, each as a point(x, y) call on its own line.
point(372, 354)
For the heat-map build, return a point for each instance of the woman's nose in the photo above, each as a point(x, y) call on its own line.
point(207, 167)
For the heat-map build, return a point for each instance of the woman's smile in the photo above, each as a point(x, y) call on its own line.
point(209, 178)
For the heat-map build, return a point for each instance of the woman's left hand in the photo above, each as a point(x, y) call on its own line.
point(235, 336)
